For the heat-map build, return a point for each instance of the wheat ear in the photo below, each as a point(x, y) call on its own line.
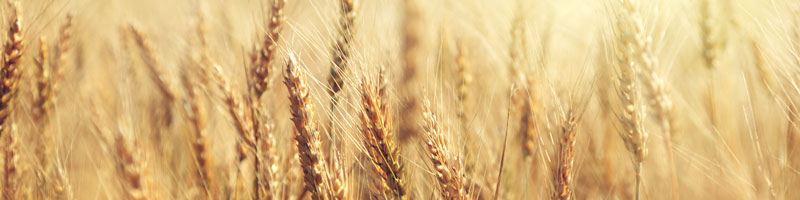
point(265, 56)
point(449, 173)
point(306, 135)
point(41, 102)
point(341, 49)
point(462, 87)
point(654, 84)
point(10, 72)
point(155, 70)
point(129, 168)
point(196, 114)
point(377, 130)
point(632, 116)
point(62, 51)
point(563, 170)
point(341, 57)
point(411, 54)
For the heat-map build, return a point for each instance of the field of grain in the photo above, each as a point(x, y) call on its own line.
point(400, 99)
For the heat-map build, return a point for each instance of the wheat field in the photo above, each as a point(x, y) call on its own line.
point(400, 99)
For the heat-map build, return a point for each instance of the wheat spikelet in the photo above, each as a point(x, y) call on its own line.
point(234, 107)
point(62, 51)
point(153, 64)
point(341, 57)
point(517, 53)
point(42, 103)
point(129, 168)
point(196, 114)
point(40, 110)
point(10, 72)
point(654, 84)
point(242, 122)
point(411, 55)
point(263, 60)
point(411, 39)
point(61, 187)
point(266, 157)
point(710, 36)
point(462, 87)
point(156, 72)
point(711, 49)
point(341, 49)
point(306, 135)
point(527, 129)
point(377, 131)
point(632, 116)
point(261, 125)
point(338, 180)
point(563, 177)
point(449, 172)
point(10, 179)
